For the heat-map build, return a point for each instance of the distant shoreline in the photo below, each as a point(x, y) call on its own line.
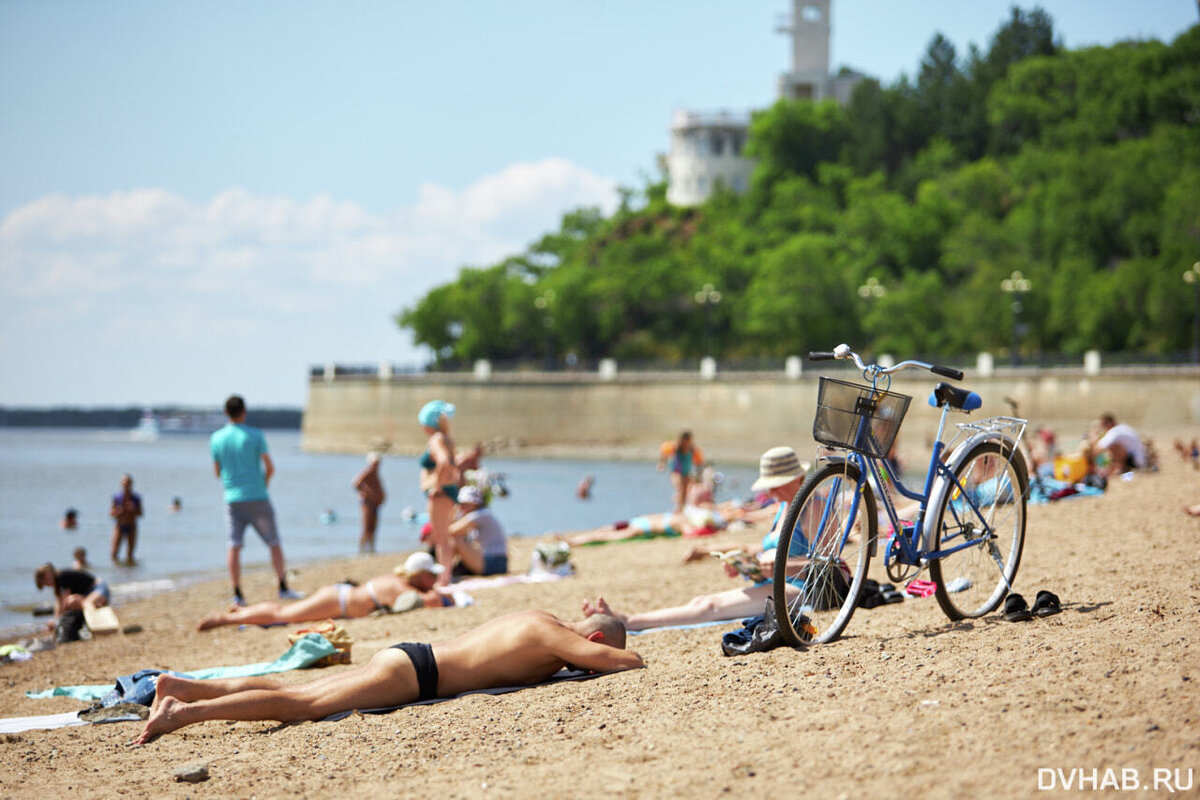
point(128, 417)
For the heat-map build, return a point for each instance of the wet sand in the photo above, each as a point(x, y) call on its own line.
point(904, 703)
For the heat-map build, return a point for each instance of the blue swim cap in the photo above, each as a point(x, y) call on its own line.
point(431, 411)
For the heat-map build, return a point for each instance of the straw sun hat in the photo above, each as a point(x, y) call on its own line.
point(778, 466)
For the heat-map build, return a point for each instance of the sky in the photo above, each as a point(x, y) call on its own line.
point(201, 198)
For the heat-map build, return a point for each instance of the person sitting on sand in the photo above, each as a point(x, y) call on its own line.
point(74, 589)
point(522, 648)
point(479, 541)
point(413, 583)
point(1121, 444)
point(780, 473)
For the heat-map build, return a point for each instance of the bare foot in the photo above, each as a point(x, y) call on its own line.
point(211, 621)
point(164, 720)
point(601, 606)
point(697, 553)
point(1193, 511)
point(168, 685)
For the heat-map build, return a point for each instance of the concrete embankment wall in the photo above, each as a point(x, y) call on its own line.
point(734, 416)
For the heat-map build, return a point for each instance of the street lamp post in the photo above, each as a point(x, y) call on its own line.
point(1017, 285)
point(543, 303)
point(708, 297)
point(1192, 276)
point(872, 290)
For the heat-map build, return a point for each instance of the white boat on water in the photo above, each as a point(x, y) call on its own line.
point(147, 429)
point(153, 426)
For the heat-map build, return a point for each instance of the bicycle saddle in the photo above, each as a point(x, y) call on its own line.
point(955, 397)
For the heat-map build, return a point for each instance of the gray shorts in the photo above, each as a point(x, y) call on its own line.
point(258, 514)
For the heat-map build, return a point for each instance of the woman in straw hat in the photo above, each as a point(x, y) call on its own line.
point(780, 473)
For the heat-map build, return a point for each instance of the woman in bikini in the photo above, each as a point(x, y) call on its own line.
point(345, 600)
point(440, 479)
point(683, 459)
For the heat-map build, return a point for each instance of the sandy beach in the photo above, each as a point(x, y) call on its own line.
point(906, 702)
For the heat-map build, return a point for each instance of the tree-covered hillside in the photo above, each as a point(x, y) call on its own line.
point(892, 223)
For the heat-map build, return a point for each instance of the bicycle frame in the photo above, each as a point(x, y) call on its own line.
point(910, 544)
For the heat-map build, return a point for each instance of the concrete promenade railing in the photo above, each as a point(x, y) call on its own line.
point(735, 415)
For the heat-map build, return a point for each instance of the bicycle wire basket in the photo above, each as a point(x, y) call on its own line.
point(858, 417)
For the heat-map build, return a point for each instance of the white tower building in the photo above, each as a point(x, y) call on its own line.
point(809, 78)
point(706, 149)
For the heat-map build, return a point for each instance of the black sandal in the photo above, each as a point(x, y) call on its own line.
point(1016, 609)
point(1046, 604)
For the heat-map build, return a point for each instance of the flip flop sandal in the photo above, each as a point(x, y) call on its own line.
point(920, 588)
point(1016, 609)
point(1046, 604)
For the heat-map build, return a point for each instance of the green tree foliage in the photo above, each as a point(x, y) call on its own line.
point(1079, 168)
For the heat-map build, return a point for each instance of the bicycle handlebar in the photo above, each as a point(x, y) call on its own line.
point(843, 351)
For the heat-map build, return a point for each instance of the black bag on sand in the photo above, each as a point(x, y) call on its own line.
point(68, 628)
point(757, 635)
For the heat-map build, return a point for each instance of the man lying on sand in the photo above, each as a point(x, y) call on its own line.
point(342, 600)
point(780, 472)
point(522, 648)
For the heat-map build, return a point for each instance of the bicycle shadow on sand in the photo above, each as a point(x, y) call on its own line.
point(997, 617)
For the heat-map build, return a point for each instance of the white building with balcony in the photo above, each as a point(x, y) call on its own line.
point(706, 150)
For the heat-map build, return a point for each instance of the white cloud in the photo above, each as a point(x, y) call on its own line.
point(309, 280)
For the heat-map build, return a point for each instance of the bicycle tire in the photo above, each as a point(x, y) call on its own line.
point(828, 594)
point(971, 582)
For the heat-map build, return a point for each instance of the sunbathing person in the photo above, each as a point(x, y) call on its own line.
point(414, 581)
point(780, 474)
point(691, 522)
point(522, 648)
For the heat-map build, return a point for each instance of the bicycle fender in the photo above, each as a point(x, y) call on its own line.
point(953, 462)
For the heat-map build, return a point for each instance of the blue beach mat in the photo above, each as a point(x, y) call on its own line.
point(1044, 490)
point(689, 626)
point(307, 650)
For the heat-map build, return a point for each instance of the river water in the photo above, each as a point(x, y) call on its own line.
point(45, 471)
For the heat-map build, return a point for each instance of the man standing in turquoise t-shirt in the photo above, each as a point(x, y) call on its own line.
point(241, 461)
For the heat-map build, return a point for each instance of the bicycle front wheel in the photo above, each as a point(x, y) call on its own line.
point(824, 548)
point(982, 520)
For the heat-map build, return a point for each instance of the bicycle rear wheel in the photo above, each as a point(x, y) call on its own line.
point(986, 511)
point(824, 548)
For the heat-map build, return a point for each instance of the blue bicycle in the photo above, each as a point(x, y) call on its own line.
point(967, 529)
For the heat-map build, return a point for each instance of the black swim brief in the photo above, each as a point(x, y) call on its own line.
point(421, 656)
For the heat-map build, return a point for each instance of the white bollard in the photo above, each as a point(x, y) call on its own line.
point(708, 368)
point(1091, 362)
point(608, 369)
point(984, 364)
point(483, 369)
point(793, 367)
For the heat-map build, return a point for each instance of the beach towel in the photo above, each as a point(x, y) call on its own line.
point(686, 627)
point(1046, 490)
point(42, 723)
point(558, 677)
point(474, 584)
point(303, 653)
